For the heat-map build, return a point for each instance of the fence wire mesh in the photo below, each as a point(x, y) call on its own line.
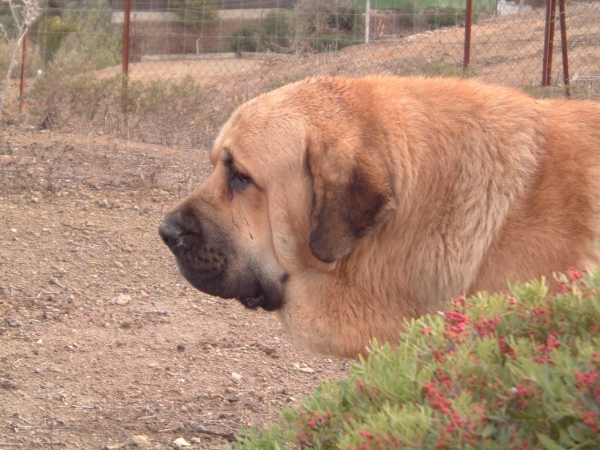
point(248, 46)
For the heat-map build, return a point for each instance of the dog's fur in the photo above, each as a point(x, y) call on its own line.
point(378, 199)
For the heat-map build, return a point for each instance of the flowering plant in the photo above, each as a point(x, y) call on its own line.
point(492, 372)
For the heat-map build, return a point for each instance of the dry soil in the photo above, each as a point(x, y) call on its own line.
point(101, 340)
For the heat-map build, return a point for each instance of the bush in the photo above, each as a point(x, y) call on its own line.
point(447, 16)
point(159, 112)
point(410, 12)
point(245, 39)
point(50, 35)
point(346, 18)
point(97, 43)
point(277, 30)
point(333, 42)
point(493, 372)
point(199, 14)
point(316, 16)
point(330, 30)
point(322, 26)
point(8, 26)
point(274, 34)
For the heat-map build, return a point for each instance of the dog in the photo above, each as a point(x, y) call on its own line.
point(349, 205)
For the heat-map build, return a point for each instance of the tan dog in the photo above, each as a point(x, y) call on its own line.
point(348, 205)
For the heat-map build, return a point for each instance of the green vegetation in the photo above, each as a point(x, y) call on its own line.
point(432, 14)
point(8, 26)
point(433, 68)
point(492, 372)
point(582, 91)
point(97, 44)
point(199, 14)
point(478, 5)
point(284, 31)
point(51, 33)
point(448, 16)
point(274, 35)
point(411, 12)
point(322, 26)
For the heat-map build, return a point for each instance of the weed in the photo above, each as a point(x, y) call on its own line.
point(169, 113)
point(589, 90)
point(433, 68)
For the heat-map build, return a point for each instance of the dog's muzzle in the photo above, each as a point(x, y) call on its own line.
point(203, 261)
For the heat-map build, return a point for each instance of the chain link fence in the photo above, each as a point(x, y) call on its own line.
point(242, 47)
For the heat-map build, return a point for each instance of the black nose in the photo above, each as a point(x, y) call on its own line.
point(171, 232)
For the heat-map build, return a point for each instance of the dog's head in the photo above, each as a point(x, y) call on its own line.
point(293, 189)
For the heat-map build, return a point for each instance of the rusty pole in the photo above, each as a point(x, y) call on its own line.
point(548, 42)
point(125, 59)
point(551, 42)
point(23, 70)
point(367, 20)
point(563, 44)
point(468, 23)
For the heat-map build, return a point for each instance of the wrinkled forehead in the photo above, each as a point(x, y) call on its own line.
point(261, 133)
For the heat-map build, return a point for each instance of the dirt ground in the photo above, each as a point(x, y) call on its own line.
point(101, 340)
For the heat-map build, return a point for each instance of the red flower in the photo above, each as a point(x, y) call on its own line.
point(573, 274)
point(365, 433)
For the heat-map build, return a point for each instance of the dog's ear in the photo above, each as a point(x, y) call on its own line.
point(352, 196)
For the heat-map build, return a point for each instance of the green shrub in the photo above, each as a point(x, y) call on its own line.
point(346, 18)
point(275, 34)
point(493, 372)
point(7, 22)
point(199, 14)
point(97, 43)
point(277, 30)
point(410, 12)
point(245, 39)
point(447, 16)
point(333, 42)
point(50, 35)
point(324, 26)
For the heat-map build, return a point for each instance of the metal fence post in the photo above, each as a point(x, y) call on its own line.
point(564, 48)
point(125, 61)
point(548, 42)
point(367, 20)
point(468, 23)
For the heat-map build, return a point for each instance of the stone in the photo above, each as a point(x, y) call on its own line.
point(139, 440)
point(121, 299)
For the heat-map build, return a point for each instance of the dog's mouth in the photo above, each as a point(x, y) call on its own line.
point(207, 265)
point(253, 302)
point(261, 300)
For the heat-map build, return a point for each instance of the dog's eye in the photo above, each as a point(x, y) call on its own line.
point(239, 180)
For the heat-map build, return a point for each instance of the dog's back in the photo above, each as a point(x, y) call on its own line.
point(555, 225)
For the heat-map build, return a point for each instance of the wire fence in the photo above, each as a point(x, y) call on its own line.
point(255, 45)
